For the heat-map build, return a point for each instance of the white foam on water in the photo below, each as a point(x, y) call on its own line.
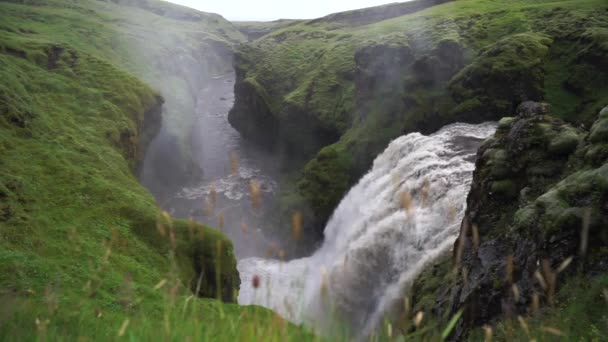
point(375, 245)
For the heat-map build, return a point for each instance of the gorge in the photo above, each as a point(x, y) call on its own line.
point(425, 170)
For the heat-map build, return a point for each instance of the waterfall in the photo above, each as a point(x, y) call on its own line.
point(403, 214)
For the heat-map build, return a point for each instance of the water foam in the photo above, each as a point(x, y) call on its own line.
point(400, 216)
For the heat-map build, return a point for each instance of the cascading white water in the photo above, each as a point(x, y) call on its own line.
point(400, 216)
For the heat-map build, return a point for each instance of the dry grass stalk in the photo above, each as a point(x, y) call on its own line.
point(244, 228)
point(552, 331)
point(509, 270)
point(562, 267)
point(221, 221)
point(476, 240)
point(425, 192)
point(541, 280)
point(535, 303)
point(464, 230)
point(296, 225)
point(605, 292)
point(161, 229)
point(123, 328)
point(516, 292)
point(551, 279)
point(452, 214)
point(465, 276)
point(160, 284)
point(255, 193)
point(324, 283)
point(488, 333)
point(213, 194)
point(407, 203)
point(524, 325)
point(234, 162)
point(271, 250)
point(585, 232)
point(418, 319)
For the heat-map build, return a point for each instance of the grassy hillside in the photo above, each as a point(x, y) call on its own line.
point(331, 93)
point(84, 251)
point(256, 29)
point(172, 48)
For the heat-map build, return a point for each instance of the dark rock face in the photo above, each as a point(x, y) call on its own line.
point(294, 130)
point(380, 65)
point(251, 114)
point(538, 198)
point(501, 77)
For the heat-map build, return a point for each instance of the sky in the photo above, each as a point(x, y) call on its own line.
point(277, 9)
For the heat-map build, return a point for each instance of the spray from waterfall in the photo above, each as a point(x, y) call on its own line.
point(401, 216)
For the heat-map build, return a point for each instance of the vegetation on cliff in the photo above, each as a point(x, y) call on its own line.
point(533, 241)
point(172, 48)
point(84, 251)
point(358, 83)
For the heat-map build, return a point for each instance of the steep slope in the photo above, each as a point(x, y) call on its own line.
point(257, 29)
point(331, 93)
point(82, 243)
point(172, 48)
point(534, 239)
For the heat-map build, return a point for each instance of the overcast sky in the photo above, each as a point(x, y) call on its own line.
point(277, 9)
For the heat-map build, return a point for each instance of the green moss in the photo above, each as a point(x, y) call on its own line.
point(504, 75)
point(565, 143)
point(599, 131)
point(578, 313)
point(75, 224)
point(505, 123)
point(460, 61)
point(506, 188)
point(325, 180)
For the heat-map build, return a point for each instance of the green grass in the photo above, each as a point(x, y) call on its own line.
point(82, 243)
point(466, 60)
point(134, 37)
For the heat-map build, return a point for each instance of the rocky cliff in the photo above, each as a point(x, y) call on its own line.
point(536, 218)
point(329, 94)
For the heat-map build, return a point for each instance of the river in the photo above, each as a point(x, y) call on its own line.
point(230, 166)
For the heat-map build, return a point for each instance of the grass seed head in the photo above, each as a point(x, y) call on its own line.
point(255, 193)
point(488, 333)
point(123, 328)
point(552, 331)
point(234, 162)
point(535, 303)
point(516, 292)
point(255, 281)
point(524, 325)
point(562, 267)
point(407, 203)
point(476, 241)
point(296, 225)
point(418, 319)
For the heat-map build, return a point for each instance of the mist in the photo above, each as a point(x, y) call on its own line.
point(267, 10)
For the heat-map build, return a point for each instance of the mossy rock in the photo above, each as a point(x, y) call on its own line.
point(506, 122)
point(565, 142)
point(503, 75)
point(599, 131)
point(506, 188)
point(325, 180)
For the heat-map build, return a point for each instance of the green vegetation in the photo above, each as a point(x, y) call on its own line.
point(84, 250)
point(172, 48)
point(362, 78)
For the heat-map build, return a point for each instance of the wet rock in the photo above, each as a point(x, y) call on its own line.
point(530, 108)
point(528, 204)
